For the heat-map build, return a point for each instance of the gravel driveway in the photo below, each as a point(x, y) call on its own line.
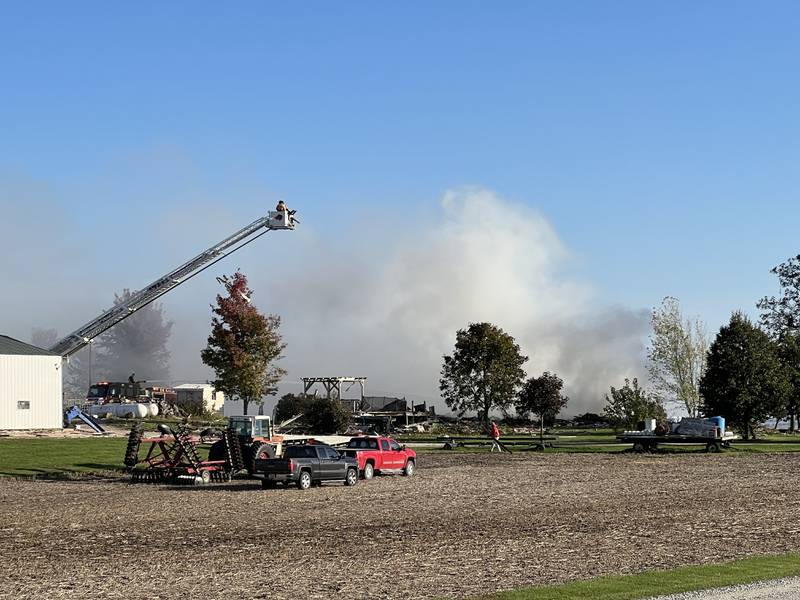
point(464, 525)
point(779, 589)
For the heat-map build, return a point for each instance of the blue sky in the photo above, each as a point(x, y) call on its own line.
point(660, 140)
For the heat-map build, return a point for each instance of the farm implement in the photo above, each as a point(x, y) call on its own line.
point(173, 457)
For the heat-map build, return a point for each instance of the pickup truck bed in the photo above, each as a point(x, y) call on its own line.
point(377, 453)
point(306, 465)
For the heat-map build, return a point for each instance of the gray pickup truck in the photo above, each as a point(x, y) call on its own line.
point(305, 465)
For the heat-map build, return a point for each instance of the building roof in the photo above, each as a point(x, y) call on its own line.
point(9, 345)
point(193, 386)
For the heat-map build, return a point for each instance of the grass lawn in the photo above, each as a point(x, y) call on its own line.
point(65, 457)
point(53, 457)
point(655, 583)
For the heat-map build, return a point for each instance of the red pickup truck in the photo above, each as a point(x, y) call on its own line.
point(376, 453)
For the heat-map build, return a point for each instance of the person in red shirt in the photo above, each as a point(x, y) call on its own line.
point(495, 438)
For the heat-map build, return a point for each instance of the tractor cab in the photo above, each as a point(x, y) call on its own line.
point(252, 427)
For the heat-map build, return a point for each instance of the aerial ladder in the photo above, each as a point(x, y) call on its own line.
point(274, 220)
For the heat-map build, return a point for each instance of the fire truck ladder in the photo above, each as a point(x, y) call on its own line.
point(79, 338)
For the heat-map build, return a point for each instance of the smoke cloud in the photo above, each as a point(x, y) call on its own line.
point(361, 292)
point(388, 305)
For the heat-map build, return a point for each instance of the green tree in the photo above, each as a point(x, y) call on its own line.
point(628, 405)
point(243, 345)
point(789, 356)
point(677, 356)
point(780, 317)
point(542, 396)
point(484, 371)
point(291, 405)
point(744, 381)
point(325, 416)
point(781, 314)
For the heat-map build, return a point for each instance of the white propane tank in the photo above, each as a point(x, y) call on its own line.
point(133, 410)
point(99, 410)
point(152, 409)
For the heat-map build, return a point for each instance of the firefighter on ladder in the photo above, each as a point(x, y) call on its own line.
point(288, 215)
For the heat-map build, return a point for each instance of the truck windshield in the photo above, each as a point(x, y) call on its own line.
point(366, 443)
point(241, 428)
point(97, 391)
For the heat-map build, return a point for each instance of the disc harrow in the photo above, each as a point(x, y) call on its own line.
point(172, 457)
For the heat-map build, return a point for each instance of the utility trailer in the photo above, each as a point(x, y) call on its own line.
point(650, 442)
point(709, 432)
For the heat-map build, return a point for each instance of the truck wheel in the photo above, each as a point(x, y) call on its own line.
point(639, 447)
point(369, 471)
point(304, 481)
point(408, 470)
point(352, 477)
point(713, 447)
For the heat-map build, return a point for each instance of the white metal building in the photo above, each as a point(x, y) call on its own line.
point(30, 386)
point(200, 396)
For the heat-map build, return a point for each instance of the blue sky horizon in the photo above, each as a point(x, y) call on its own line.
point(650, 150)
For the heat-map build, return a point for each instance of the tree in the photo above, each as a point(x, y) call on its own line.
point(744, 381)
point(542, 396)
point(630, 404)
point(780, 317)
point(291, 405)
point(789, 357)
point(324, 416)
point(677, 355)
point(781, 314)
point(136, 345)
point(484, 371)
point(243, 345)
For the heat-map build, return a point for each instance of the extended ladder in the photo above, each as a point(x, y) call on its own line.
point(76, 340)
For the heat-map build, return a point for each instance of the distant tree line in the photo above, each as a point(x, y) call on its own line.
point(747, 374)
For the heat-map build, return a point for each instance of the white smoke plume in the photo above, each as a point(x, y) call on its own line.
point(388, 306)
point(361, 292)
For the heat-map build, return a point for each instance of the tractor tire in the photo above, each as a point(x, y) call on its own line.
point(713, 447)
point(369, 471)
point(255, 450)
point(304, 480)
point(218, 451)
point(134, 441)
point(408, 470)
point(639, 447)
point(352, 477)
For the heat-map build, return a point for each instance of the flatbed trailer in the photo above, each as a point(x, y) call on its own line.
point(648, 442)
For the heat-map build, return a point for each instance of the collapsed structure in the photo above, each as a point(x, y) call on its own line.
point(379, 413)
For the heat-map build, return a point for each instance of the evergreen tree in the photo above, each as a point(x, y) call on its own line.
point(136, 345)
point(744, 381)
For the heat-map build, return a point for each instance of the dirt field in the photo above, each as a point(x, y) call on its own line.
point(465, 524)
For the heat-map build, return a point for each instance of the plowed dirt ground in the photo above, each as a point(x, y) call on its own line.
point(464, 524)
